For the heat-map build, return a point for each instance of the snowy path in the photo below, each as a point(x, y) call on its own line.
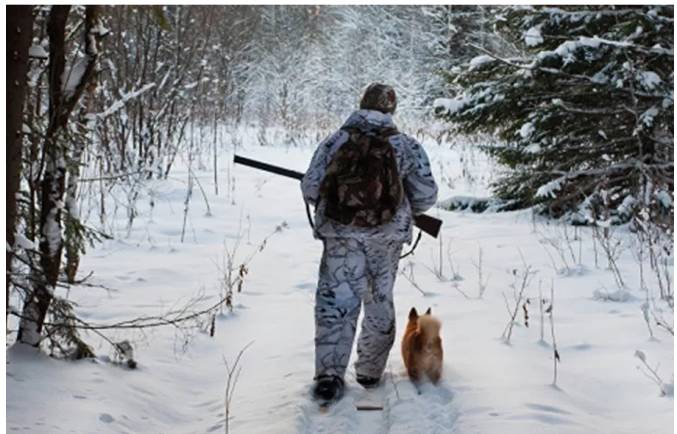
point(434, 404)
point(488, 386)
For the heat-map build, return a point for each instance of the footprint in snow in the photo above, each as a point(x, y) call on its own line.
point(106, 418)
point(546, 408)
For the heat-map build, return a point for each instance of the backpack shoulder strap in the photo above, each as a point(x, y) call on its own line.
point(389, 132)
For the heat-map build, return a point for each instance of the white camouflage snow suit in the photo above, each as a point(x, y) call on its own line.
point(360, 264)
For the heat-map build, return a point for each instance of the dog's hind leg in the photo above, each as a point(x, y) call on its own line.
point(435, 376)
point(415, 377)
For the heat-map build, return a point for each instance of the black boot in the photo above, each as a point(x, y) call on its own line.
point(328, 389)
point(368, 382)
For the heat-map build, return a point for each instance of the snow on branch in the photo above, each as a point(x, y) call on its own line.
point(38, 52)
point(550, 188)
point(449, 106)
point(533, 37)
point(126, 97)
point(479, 61)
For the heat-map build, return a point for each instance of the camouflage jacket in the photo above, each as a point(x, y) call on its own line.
point(413, 167)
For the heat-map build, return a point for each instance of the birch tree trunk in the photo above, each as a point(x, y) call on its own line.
point(62, 101)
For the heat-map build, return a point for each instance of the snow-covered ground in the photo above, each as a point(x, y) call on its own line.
point(488, 386)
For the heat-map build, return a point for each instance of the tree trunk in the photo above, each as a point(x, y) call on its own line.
point(74, 238)
point(61, 103)
point(52, 186)
point(216, 161)
point(19, 35)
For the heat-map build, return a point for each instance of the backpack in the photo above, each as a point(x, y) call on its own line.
point(362, 186)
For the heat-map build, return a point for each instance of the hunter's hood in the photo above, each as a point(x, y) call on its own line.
point(369, 121)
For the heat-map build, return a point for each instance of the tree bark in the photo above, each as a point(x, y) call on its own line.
point(52, 187)
point(74, 238)
point(62, 101)
point(19, 35)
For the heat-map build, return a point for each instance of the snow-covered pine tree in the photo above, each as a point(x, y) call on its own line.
point(584, 108)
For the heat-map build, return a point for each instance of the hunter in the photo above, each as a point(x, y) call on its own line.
point(367, 181)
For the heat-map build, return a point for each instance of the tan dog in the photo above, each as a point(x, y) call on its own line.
point(422, 347)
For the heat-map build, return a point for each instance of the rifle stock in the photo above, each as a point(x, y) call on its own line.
point(429, 225)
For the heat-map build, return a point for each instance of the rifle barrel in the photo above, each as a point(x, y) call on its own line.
point(268, 167)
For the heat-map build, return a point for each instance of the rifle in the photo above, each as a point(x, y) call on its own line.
point(429, 225)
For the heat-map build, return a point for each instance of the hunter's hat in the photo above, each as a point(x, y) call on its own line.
point(379, 97)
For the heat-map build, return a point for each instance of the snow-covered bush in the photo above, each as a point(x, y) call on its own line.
point(584, 107)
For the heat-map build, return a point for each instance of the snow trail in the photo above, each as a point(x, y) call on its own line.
point(405, 410)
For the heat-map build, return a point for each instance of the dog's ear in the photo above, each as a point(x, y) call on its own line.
point(429, 311)
point(413, 315)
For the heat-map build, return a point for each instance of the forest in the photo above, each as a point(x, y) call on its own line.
point(138, 253)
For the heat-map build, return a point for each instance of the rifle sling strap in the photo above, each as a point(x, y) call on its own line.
point(411, 251)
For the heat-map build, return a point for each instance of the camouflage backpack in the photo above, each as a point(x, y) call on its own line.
point(362, 186)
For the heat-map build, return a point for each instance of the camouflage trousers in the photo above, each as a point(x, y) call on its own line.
point(354, 272)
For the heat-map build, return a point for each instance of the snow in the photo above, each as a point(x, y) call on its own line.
point(24, 243)
point(649, 80)
point(533, 148)
point(99, 29)
point(52, 230)
point(648, 116)
point(550, 188)
point(475, 100)
point(600, 77)
point(533, 37)
point(619, 296)
point(488, 387)
point(626, 207)
point(661, 50)
point(449, 106)
point(664, 198)
point(38, 52)
point(478, 61)
point(527, 130)
point(567, 49)
point(125, 97)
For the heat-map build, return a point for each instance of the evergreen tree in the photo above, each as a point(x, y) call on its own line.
point(584, 111)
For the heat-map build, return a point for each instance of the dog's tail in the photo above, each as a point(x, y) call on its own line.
point(429, 327)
